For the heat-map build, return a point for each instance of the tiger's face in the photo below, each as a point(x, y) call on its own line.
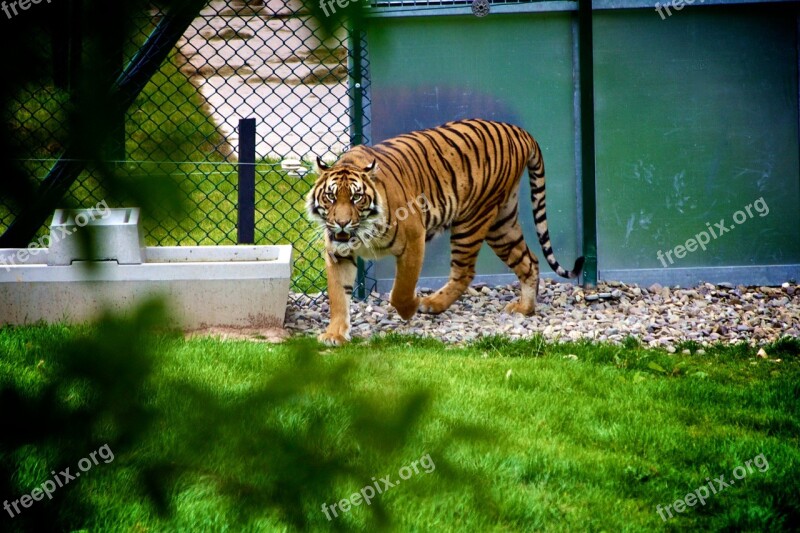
point(345, 203)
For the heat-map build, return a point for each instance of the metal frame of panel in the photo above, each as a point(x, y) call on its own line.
point(385, 272)
point(584, 147)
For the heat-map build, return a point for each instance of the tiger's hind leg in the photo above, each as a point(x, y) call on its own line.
point(466, 239)
point(506, 239)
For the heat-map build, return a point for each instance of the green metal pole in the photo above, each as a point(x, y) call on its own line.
point(356, 128)
point(586, 59)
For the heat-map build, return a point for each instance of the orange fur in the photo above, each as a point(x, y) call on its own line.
point(391, 198)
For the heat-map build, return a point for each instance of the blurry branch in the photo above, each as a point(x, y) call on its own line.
point(295, 436)
point(278, 449)
point(93, 394)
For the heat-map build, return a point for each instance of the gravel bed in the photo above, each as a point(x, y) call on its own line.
point(657, 316)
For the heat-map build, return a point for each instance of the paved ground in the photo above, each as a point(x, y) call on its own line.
point(259, 62)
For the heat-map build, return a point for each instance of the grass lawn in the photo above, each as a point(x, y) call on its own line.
point(504, 436)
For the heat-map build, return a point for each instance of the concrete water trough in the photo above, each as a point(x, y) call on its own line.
point(203, 286)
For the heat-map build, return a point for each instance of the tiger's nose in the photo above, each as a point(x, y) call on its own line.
point(341, 226)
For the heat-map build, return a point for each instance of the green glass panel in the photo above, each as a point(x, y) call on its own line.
point(697, 119)
point(516, 68)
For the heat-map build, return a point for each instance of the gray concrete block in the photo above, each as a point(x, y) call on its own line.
point(115, 233)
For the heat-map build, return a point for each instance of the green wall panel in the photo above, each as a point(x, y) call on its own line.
point(517, 68)
point(696, 118)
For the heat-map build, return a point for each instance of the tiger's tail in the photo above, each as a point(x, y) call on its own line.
point(536, 176)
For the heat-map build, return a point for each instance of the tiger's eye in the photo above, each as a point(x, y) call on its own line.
point(357, 197)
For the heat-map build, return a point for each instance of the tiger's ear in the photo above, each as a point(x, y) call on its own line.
point(321, 164)
point(369, 168)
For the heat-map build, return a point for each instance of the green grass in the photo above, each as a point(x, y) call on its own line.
point(525, 435)
point(170, 120)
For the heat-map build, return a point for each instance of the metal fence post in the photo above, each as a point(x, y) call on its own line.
point(587, 142)
point(356, 134)
point(246, 204)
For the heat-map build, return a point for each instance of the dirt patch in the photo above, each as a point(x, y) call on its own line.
point(228, 34)
point(269, 334)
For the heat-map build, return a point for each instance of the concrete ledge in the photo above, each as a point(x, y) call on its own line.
point(766, 275)
point(202, 286)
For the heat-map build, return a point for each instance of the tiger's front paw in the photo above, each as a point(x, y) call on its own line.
point(406, 308)
point(334, 338)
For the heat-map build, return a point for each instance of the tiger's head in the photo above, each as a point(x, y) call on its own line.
point(345, 202)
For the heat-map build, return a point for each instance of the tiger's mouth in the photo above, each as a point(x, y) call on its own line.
point(341, 236)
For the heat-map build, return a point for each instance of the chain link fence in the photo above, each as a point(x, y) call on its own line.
point(262, 59)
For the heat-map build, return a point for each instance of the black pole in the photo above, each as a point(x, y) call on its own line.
point(122, 94)
point(246, 226)
point(115, 149)
point(66, 35)
point(586, 59)
point(357, 130)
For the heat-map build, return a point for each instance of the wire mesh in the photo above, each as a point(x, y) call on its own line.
point(267, 60)
point(441, 3)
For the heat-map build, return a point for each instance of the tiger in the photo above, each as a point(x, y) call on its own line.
point(393, 197)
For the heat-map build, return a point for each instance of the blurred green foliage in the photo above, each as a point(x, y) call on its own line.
point(277, 445)
point(95, 386)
